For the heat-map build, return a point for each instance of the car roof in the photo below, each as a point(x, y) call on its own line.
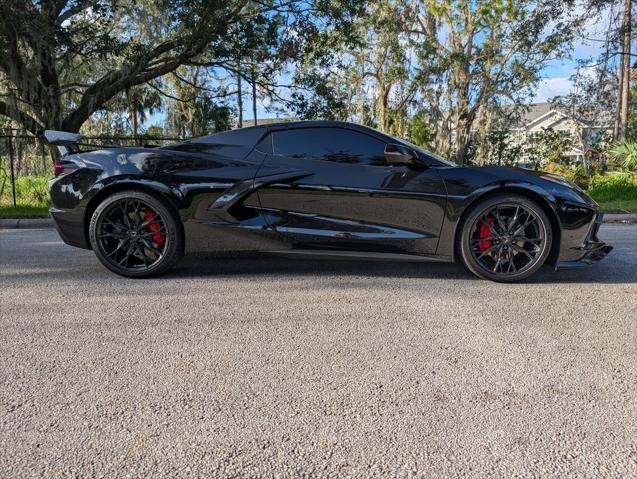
point(251, 135)
point(290, 125)
point(286, 125)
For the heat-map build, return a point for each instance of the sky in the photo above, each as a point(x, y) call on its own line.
point(557, 74)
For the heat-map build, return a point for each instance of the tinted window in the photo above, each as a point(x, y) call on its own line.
point(330, 144)
point(431, 158)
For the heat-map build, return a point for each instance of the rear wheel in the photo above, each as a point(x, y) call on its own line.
point(505, 238)
point(135, 234)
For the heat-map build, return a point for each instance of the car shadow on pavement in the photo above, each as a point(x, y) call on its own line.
point(250, 264)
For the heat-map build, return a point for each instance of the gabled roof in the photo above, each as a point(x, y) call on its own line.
point(525, 116)
point(532, 112)
point(545, 116)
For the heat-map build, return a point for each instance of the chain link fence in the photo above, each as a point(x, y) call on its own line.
point(27, 162)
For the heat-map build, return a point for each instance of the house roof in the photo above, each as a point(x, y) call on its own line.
point(526, 115)
point(532, 112)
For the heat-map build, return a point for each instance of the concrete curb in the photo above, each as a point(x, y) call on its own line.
point(24, 223)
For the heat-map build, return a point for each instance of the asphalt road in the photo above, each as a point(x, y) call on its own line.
point(262, 367)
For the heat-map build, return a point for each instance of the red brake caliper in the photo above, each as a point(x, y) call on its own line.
point(158, 238)
point(485, 232)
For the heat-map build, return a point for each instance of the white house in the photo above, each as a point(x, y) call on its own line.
point(543, 116)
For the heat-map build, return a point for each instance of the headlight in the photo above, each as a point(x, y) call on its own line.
point(561, 181)
point(570, 192)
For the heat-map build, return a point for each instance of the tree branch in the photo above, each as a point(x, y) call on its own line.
point(129, 75)
point(21, 117)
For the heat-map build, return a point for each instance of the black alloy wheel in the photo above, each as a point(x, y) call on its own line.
point(135, 234)
point(506, 238)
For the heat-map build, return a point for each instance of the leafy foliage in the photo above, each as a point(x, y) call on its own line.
point(502, 150)
point(626, 153)
point(30, 190)
point(60, 62)
point(615, 192)
point(446, 61)
point(549, 146)
point(420, 131)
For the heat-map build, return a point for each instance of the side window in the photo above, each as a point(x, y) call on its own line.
point(330, 144)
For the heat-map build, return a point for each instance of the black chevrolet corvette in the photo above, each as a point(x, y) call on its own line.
point(316, 188)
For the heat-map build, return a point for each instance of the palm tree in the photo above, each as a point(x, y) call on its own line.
point(142, 100)
point(626, 152)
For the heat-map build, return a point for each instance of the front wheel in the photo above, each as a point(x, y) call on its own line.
point(135, 234)
point(505, 238)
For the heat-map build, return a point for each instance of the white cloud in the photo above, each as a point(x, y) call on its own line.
point(552, 87)
point(588, 46)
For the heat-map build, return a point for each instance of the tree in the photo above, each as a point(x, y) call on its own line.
point(626, 153)
point(631, 132)
point(621, 123)
point(64, 60)
point(488, 52)
point(451, 62)
point(617, 44)
point(61, 61)
point(502, 151)
point(195, 109)
point(549, 146)
point(589, 104)
point(420, 130)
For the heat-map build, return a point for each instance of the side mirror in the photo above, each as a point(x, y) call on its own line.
point(400, 155)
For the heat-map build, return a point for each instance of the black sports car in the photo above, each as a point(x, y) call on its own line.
point(321, 188)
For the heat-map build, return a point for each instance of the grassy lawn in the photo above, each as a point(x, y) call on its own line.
point(615, 193)
point(24, 211)
point(32, 194)
point(619, 206)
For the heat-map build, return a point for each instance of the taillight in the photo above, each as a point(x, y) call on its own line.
point(58, 168)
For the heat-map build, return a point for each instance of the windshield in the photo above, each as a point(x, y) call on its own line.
point(429, 155)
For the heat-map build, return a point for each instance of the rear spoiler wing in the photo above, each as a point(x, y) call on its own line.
point(65, 141)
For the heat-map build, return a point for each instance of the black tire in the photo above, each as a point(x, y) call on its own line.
point(495, 244)
point(135, 234)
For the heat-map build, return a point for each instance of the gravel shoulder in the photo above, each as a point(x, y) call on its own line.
point(268, 367)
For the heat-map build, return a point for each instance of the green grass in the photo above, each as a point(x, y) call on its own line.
point(32, 194)
point(618, 206)
point(24, 211)
point(615, 192)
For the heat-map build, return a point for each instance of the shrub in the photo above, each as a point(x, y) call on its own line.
point(613, 186)
point(626, 153)
point(577, 174)
point(30, 190)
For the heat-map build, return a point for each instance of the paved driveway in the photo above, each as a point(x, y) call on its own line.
point(278, 368)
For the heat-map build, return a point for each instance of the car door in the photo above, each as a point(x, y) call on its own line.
point(339, 192)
